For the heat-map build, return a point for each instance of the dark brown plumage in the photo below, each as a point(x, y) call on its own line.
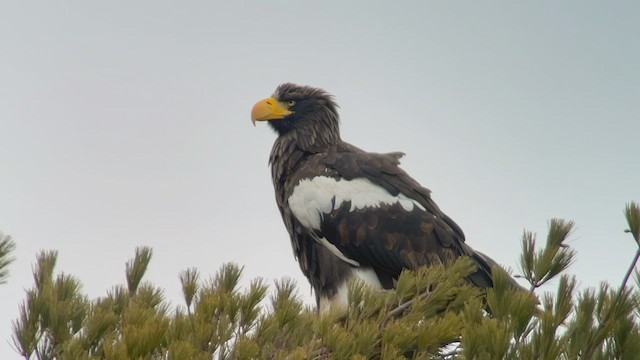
point(351, 213)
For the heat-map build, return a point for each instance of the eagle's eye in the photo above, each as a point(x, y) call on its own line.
point(291, 103)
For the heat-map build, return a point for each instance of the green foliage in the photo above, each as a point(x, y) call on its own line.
point(7, 246)
point(136, 268)
point(433, 314)
point(632, 213)
point(53, 312)
point(540, 266)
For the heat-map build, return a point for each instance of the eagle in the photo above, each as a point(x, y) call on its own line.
point(351, 214)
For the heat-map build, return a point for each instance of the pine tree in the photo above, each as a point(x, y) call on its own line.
point(433, 314)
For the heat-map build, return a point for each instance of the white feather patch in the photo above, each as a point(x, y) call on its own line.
point(312, 198)
point(340, 299)
point(335, 251)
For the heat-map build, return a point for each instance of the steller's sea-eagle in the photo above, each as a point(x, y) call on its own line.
point(351, 213)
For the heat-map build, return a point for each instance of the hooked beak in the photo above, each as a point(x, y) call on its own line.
point(269, 109)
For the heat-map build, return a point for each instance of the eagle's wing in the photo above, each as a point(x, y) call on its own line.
point(369, 212)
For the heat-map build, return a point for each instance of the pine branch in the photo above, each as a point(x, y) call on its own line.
point(539, 267)
point(632, 214)
point(7, 246)
point(398, 311)
point(628, 274)
point(136, 268)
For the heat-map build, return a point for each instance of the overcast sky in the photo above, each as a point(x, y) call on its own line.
point(127, 123)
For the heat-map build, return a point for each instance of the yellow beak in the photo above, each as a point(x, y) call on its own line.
point(269, 109)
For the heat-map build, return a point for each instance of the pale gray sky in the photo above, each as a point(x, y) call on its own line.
point(127, 123)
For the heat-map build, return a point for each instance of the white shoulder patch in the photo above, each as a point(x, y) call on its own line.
point(312, 198)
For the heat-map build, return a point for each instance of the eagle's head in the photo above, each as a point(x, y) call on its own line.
point(302, 111)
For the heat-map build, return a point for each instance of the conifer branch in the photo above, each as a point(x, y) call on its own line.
point(632, 214)
point(7, 246)
point(405, 306)
point(628, 274)
point(136, 268)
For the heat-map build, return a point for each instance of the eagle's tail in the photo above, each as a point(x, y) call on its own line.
point(482, 277)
